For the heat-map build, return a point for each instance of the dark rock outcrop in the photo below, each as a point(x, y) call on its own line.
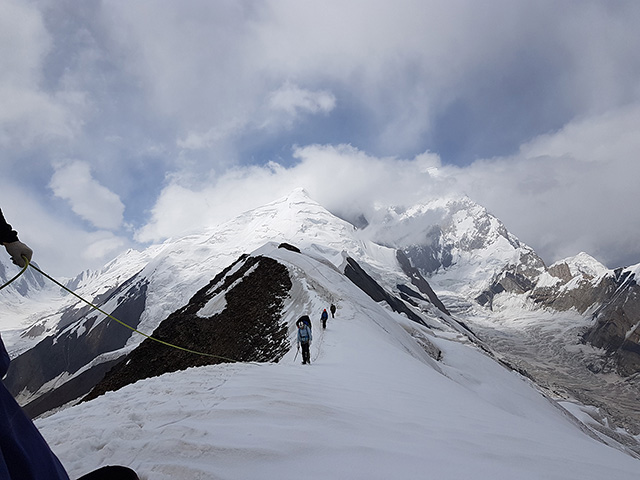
point(616, 324)
point(76, 346)
point(249, 328)
point(509, 281)
point(433, 254)
point(363, 280)
point(419, 281)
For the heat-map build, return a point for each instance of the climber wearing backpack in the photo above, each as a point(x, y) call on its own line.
point(324, 317)
point(304, 338)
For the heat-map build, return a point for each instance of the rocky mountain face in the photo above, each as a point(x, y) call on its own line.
point(609, 298)
point(28, 282)
point(571, 327)
point(234, 318)
point(616, 322)
point(458, 246)
point(237, 317)
point(75, 350)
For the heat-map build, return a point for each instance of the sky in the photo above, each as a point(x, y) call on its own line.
point(127, 123)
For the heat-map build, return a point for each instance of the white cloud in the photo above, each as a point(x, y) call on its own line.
point(88, 199)
point(604, 138)
point(24, 42)
point(215, 87)
point(296, 101)
point(195, 140)
point(342, 178)
point(570, 191)
point(30, 114)
point(102, 245)
point(284, 108)
point(61, 247)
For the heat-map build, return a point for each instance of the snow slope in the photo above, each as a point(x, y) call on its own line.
point(373, 405)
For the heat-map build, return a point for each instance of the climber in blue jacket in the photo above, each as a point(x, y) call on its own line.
point(304, 338)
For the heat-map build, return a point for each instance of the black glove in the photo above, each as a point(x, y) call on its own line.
point(17, 250)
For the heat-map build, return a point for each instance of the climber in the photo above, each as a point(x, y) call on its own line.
point(304, 338)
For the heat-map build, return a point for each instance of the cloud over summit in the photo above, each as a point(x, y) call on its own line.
point(530, 108)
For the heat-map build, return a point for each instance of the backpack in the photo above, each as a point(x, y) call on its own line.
point(306, 320)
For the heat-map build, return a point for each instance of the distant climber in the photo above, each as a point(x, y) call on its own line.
point(324, 317)
point(333, 310)
point(304, 338)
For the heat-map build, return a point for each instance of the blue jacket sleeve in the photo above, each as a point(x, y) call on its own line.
point(24, 453)
point(4, 359)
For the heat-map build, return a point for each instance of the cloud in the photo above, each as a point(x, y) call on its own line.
point(283, 109)
point(88, 198)
point(570, 191)
point(61, 247)
point(295, 101)
point(450, 77)
point(30, 113)
point(524, 106)
point(194, 140)
point(342, 178)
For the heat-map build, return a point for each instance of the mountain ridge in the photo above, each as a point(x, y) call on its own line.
point(468, 257)
point(374, 403)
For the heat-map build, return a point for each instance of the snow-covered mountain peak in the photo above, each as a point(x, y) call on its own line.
point(583, 265)
point(296, 219)
point(457, 243)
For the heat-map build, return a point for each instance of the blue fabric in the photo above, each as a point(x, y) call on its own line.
point(24, 453)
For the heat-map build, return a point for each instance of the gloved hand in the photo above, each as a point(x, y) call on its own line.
point(17, 250)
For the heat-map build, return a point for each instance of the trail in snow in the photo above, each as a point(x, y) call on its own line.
point(367, 408)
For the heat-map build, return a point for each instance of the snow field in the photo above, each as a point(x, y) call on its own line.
point(371, 406)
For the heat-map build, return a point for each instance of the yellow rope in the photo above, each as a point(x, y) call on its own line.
point(16, 277)
point(29, 264)
point(128, 326)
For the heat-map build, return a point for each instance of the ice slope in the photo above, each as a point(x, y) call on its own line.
point(373, 405)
